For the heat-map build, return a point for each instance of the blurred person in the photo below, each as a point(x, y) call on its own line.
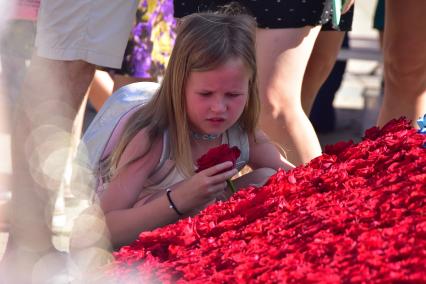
point(297, 46)
point(404, 45)
point(146, 56)
point(72, 38)
point(16, 46)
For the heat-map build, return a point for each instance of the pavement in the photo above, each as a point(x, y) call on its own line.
point(356, 103)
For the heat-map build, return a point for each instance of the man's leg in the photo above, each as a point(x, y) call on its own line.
point(51, 96)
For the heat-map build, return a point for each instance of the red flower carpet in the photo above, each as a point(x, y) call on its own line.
point(356, 214)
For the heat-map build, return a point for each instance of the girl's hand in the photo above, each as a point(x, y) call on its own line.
point(210, 183)
point(348, 4)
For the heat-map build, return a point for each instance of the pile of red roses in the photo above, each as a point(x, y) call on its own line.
point(355, 214)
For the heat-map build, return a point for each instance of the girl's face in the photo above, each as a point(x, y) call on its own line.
point(216, 99)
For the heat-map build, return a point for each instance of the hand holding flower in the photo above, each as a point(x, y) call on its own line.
point(219, 155)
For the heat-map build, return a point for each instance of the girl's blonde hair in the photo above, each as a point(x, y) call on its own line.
point(204, 41)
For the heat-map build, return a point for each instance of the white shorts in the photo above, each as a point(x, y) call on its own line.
point(95, 31)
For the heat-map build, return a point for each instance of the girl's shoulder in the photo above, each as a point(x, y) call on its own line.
point(239, 137)
point(258, 136)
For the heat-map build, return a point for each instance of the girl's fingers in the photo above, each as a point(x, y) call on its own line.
point(218, 168)
point(223, 176)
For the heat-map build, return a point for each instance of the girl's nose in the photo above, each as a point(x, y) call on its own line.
point(218, 105)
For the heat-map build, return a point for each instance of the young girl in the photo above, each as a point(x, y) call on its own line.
point(208, 97)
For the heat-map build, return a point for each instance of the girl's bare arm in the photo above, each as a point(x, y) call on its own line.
point(265, 154)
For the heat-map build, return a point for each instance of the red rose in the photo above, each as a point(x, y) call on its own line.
point(218, 155)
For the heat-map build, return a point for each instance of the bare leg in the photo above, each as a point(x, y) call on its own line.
point(404, 61)
point(120, 81)
point(103, 86)
point(13, 73)
point(100, 89)
point(283, 55)
point(52, 93)
point(321, 62)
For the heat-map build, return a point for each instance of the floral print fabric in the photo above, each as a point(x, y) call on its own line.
point(151, 40)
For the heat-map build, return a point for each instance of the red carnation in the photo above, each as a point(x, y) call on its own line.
point(217, 155)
